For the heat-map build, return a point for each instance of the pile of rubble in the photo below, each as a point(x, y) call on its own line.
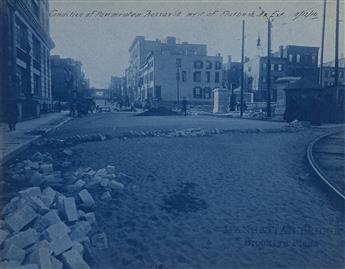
point(73, 140)
point(52, 224)
point(70, 141)
point(259, 115)
point(296, 124)
point(45, 229)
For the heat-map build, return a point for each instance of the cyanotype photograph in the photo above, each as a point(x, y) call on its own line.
point(172, 134)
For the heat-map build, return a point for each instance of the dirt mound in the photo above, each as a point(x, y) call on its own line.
point(160, 111)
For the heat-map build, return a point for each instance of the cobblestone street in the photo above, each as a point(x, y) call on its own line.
point(202, 202)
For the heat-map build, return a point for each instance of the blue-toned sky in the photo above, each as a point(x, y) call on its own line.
point(101, 43)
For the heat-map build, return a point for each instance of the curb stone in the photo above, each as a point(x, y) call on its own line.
point(14, 152)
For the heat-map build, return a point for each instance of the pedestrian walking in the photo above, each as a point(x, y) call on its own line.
point(11, 115)
point(184, 105)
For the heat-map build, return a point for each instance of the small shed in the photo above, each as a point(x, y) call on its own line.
point(304, 100)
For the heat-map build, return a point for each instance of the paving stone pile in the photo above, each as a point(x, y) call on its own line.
point(77, 139)
point(296, 124)
point(189, 132)
point(52, 223)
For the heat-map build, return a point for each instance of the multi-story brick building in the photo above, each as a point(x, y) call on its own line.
point(301, 61)
point(24, 56)
point(68, 79)
point(328, 73)
point(294, 61)
point(170, 77)
point(141, 48)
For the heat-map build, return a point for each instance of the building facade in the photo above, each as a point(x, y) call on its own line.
point(141, 48)
point(232, 74)
point(289, 61)
point(115, 87)
point(256, 76)
point(171, 77)
point(328, 73)
point(301, 61)
point(68, 79)
point(24, 59)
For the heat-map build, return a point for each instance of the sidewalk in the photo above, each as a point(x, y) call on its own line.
point(12, 143)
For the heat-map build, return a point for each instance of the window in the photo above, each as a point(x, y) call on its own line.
point(313, 58)
point(21, 83)
point(332, 74)
point(207, 93)
point(298, 58)
point(198, 64)
point(208, 64)
point(216, 77)
point(151, 76)
point(35, 8)
point(21, 35)
point(218, 65)
point(178, 62)
point(280, 67)
point(264, 66)
point(290, 58)
point(184, 76)
point(272, 67)
point(37, 85)
point(208, 76)
point(197, 76)
point(36, 49)
point(197, 92)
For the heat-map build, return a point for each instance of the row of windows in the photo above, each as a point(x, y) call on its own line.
point(198, 78)
point(274, 67)
point(202, 93)
point(329, 73)
point(22, 85)
point(198, 64)
point(302, 58)
point(208, 65)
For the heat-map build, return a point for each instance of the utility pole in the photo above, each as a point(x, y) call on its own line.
point(336, 61)
point(242, 69)
point(322, 43)
point(268, 67)
point(178, 65)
